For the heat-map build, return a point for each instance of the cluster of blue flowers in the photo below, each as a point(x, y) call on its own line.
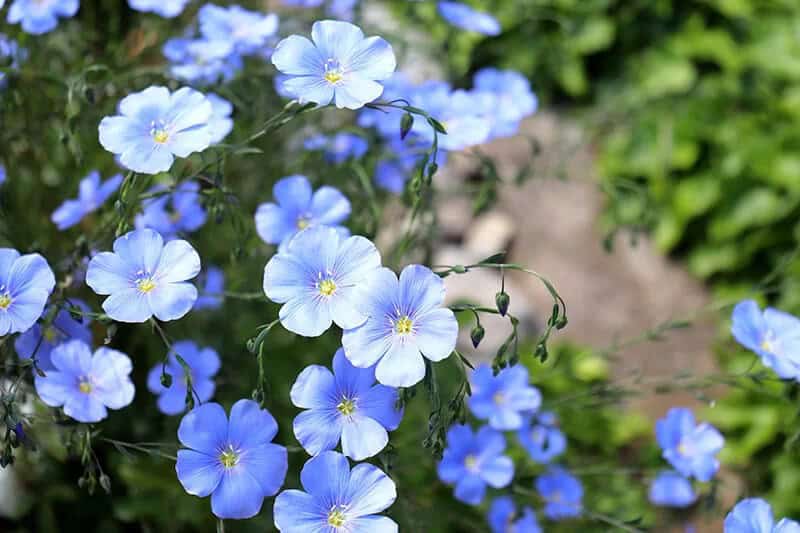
point(474, 460)
point(772, 334)
point(691, 449)
point(493, 108)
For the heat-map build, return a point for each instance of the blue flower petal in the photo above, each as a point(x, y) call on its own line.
point(250, 425)
point(314, 388)
point(238, 495)
point(298, 512)
point(204, 428)
point(267, 463)
point(363, 437)
point(326, 476)
point(402, 366)
point(198, 473)
point(297, 56)
point(470, 489)
point(318, 430)
point(171, 301)
point(369, 490)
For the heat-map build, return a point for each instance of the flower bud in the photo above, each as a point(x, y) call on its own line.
point(166, 380)
point(476, 335)
point(406, 123)
point(502, 301)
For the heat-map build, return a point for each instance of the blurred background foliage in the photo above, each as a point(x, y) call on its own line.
point(693, 107)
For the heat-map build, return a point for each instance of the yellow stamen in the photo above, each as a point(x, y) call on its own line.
point(336, 518)
point(326, 287)
point(333, 77)
point(85, 387)
point(346, 407)
point(302, 223)
point(146, 285)
point(471, 462)
point(404, 325)
point(5, 301)
point(50, 334)
point(229, 458)
point(160, 136)
point(499, 398)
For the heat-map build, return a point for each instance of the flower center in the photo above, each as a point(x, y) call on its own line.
point(471, 463)
point(326, 287)
point(346, 406)
point(499, 398)
point(50, 334)
point(145, 285)
point(685, 448)
point(404, 325)
point(768, 343)
point(229, 458)
point(5, 301)
point(333, 71)
point(158, 129)
point(556, 497)
point(336, 517)
point(85, 386)
point(303, 222)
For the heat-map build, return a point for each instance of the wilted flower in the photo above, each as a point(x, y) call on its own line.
point(405, 322)
point(336, 498)
point(234, 461)
point(86, 384)
point(203, 364)
point(340, 65)
point(91, 195)
point(316, 278)
point(26, 282)
point(345, 405)
point(145, 277)
point(155, 125)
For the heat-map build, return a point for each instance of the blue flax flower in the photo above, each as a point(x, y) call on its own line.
point(40, 340)
point(465, 17)
point(754, 515)
point(11, 55)
point(92, 193)
point(234, 461)
point(202, 60)
point(511, 98)
point(772, 334)
point(299, 207)
point(340, 65)
point(542, 438)
point(345, 405)
point(86, 384)
point(145, 277)
point(689, 447)
point(164, 8)
point(204, 364)
point(503, 399)
point(316, 278)
point(503, 517)
point(154, 126)
point(26, 282)
point(248, 31)
point(3, 174)
point(406, 322)
point(336, 498)
point(670, 489)
point(562, 493)
point(173, 213)
point(212, 294)
point(462, 113)
point(221, 122)
point(473, 460)
point(40, 16)
point(340, 147)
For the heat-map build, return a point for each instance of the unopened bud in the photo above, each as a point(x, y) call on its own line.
point(406, 123)
point(476, 335)
point(502, 300)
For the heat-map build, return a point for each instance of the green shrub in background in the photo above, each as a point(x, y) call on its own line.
point(695, 106)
